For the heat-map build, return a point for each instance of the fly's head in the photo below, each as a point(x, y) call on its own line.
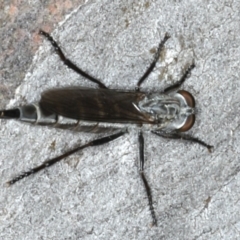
point(184, 118)
point(170, 111)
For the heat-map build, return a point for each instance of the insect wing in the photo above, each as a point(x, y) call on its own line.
point(101, 105)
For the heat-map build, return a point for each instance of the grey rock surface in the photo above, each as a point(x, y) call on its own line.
point(97, 193)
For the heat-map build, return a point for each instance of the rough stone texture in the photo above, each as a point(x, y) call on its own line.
point(97, 193)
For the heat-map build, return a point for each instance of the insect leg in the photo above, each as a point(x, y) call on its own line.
point(153, 64)
point(69, 63)
point(176, 135)
point(181, 81)
point(52, 161)
point(146, 185)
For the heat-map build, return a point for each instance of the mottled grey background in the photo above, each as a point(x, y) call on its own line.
point(97, 193)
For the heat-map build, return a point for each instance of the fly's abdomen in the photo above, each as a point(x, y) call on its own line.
point(98, 105)
point(30, 113)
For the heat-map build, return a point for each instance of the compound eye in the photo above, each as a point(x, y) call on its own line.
point(191, 103)
point(188, 97)
point(188, 124)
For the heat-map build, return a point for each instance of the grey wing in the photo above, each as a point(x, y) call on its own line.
point(101, 105)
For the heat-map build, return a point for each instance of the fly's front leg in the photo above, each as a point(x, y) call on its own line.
point(153, 64)
point(178, 84)
point(68, 62)
point(52, 161)
point(146, 185)
point(176, 135)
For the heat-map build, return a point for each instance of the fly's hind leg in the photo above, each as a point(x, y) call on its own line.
point(68, 62)
point(52, 161)
point(145, 182)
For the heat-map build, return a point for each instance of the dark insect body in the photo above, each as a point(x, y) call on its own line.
point(166, 113)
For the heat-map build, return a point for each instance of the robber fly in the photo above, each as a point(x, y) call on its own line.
point(167, 113)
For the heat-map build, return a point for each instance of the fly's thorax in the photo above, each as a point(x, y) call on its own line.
point(170, 111)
